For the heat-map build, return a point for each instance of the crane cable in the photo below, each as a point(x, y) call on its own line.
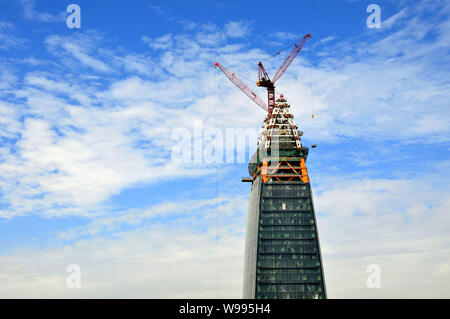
point(271, 56)
point(313, 131)
point(216, 193)
point(285, 48)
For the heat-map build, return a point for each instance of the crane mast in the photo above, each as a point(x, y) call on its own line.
point(264, 79)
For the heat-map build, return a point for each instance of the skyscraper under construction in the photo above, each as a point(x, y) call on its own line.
point(282, 251)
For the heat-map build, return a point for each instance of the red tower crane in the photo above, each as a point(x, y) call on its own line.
point(264, 79)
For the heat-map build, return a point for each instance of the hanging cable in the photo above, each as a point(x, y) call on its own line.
point(285, 48)
point(270, 58)
point(216, 189)
point(313, 131)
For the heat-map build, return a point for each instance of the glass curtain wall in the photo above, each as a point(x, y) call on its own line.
point(288, 255)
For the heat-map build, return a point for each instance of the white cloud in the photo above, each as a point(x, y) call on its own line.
point(90, 157)
point(188, 25)
point(176, 259)
point(394, 19)
point(4, 25)
point(237, 29)
point(82, 48)
point(211, 39)
point(31, 13)
point(399, 225)
point(9, 121)
point(7, 77)
point(326, 39)
point(140, 64)
point(161, 43)
point(285, 36)
point(198, 214)
point(7, 40)
point(153, 263)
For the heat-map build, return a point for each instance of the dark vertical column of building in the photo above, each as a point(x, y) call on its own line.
point(251, 240)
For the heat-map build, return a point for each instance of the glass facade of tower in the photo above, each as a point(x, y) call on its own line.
point(282, 257)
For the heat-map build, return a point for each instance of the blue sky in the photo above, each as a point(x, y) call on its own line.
point(86, 124)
